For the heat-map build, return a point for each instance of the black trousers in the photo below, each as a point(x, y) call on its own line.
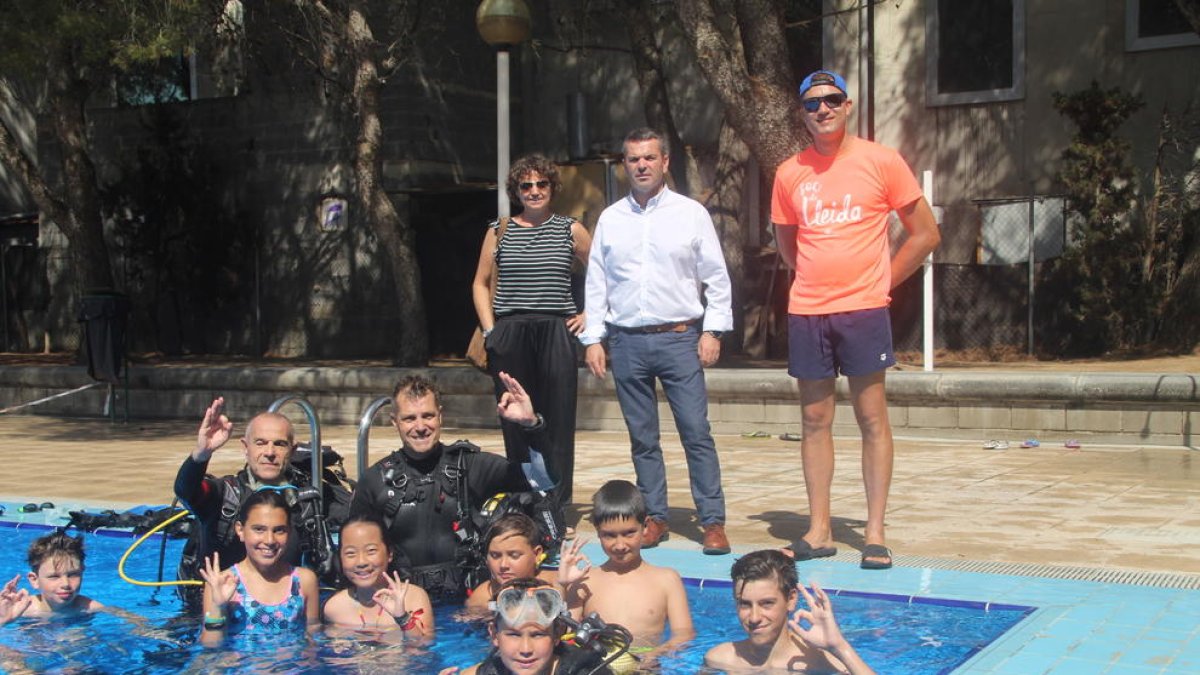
point(539, 351)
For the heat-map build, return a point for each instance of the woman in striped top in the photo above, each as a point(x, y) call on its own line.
point(530, 326)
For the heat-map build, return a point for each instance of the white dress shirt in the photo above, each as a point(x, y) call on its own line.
point(650, 266)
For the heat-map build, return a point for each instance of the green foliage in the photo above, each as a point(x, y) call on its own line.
point(1130, 239)
point(93, 39)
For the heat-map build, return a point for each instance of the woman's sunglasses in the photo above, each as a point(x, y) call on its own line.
point(527, 186)
point(813, 104)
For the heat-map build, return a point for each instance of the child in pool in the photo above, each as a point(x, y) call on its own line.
point(526, 631)
point(512, 552)
point(626, 589)
point(375, 600)
point(263, 593)
point(56, 570)
point(766, 590)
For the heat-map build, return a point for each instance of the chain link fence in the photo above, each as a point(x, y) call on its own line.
point(986, 309)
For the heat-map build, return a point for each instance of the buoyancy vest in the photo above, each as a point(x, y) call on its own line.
point(314, 542)
point(571, 660)
point(430, 511)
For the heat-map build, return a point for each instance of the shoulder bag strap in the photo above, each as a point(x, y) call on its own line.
point(496, 268)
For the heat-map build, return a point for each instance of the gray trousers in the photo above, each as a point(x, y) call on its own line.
point(639, 358)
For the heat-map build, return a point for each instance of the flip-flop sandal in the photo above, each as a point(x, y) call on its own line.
point(790, 437)
point(756, 434)
point(875, 551)
point(995, 445)
point(1031, 443)
point(802, 550)
point(1072, 444)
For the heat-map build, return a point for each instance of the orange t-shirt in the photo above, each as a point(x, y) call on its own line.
point(840, 206)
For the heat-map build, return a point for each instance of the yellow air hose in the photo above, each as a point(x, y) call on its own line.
point(144, 537)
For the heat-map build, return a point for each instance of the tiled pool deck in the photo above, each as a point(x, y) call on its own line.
point(1130, 508)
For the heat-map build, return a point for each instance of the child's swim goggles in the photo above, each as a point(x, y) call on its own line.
point(517, 606)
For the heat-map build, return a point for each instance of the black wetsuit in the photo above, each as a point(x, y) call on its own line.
point(417, 497)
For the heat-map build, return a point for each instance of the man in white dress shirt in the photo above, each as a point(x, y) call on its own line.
point(655, 254)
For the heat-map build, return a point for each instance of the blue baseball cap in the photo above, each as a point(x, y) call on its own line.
point(823, 77)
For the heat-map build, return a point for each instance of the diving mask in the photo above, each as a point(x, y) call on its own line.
point(517, 606)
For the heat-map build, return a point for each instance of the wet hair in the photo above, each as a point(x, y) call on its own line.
point(512, 523)
point(618, 499)
point(264, 497)
point(535, 163)
point(291, 431)
point(765, 564)
point(55, 546)
point(647, 134)
point(415, 387)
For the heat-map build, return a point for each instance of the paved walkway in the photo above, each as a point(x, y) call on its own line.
point(1111, 507)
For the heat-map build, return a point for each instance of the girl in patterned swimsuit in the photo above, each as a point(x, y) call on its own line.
point(376, 602)
point(264, 593)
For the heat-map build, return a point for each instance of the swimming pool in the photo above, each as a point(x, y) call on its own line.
point(895, 634)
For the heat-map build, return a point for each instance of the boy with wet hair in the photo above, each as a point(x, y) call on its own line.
point(56, 571)
point(626, 589)
point(766, 591)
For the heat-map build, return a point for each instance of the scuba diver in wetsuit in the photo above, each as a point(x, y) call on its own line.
point(426, 491)
point(268, 444)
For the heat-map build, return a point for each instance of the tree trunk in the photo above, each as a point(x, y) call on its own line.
point(393, 229)
point(758, 98)
point(74, 207)
point(83, 225)
point(1191, 11)
point(725, 205)
point(644, 22)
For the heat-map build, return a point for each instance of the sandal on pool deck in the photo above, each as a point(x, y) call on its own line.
point(1030, 443)
point(802, 550)
point(756, 434)
point(995, 445)
point(789, 436)
point(876, 551)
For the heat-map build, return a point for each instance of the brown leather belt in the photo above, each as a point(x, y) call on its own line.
point(676, 327)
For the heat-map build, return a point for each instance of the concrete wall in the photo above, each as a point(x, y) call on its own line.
point(1004, 149)
point(1094, 408)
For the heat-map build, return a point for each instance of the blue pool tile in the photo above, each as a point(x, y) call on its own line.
point(1025, 664)
point(1149, 652)
point(1069, 630)
point(1175, 622)
point(1072, 666)
point(1122, 669)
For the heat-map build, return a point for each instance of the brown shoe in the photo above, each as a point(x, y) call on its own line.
point(656, 530)
point(715, 541)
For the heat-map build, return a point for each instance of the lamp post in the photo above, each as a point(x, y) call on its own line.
point(502, 24)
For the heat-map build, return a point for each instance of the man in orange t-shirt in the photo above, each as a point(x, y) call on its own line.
point(830, 207)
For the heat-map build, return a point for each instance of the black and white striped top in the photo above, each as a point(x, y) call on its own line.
point(534, 266)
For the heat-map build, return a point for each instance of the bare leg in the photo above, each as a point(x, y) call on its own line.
point(816, 451)
point(868, 395)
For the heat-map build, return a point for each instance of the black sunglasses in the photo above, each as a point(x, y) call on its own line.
point(832, 100)
point(527, 186)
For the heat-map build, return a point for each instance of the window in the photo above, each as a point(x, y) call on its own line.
point(1156, 24)
point(974, 51)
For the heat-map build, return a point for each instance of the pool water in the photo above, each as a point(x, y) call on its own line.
point(894, 635)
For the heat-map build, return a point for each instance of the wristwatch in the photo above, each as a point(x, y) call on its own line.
point(718, 334)
point(485, 332)
point(538, 425)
